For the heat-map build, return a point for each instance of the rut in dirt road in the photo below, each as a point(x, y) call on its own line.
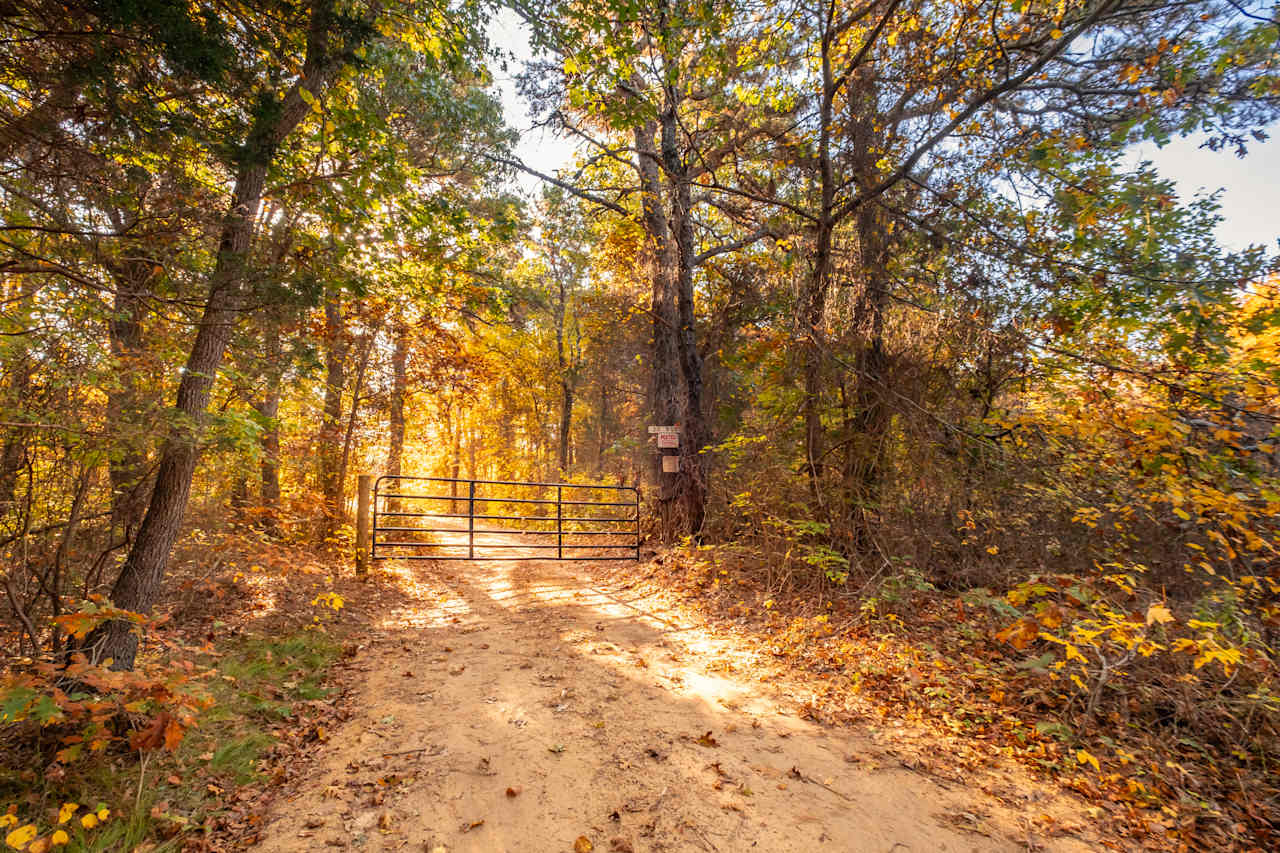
point(537, 706)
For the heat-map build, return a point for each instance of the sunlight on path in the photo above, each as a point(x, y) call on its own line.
point(521, 706)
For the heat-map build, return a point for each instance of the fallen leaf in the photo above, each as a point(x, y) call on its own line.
point(583, 845)
point(22, 836)
point(514, 791)
point(470, 825)
point(708, 740)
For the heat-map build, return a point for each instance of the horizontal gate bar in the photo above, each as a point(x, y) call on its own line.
point(496, 545)
point(620, 533)
point(512, 532)
point(530, 483)
point(447, 557)
point(504, 517)
point(505, 500)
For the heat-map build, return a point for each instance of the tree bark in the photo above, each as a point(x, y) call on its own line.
point(871, 414)
point(14, 450)
point(813, 299)
point(330, 438)
point(399, 386)
point(142, 574)
point(602, 425)
point(357, 393)
point(269, 467)
point(567, 377)
point(269, 408)
point(665, 391)
point(692, 479)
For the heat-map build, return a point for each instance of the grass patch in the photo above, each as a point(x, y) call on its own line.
point(257, 688)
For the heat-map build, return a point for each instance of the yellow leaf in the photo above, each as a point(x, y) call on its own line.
point(21, 837)
point(41, 845)
point(60, 838)
point(1158, 613)
point(994, 549)
point(583, 845)
point(103, 814)
point(1085, 757)
point(65, 813)
point(89, 821)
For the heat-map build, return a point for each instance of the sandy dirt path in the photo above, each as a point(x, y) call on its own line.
point(515, 706)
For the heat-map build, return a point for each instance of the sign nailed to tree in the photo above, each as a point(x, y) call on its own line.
point(671, 464)
point(668, 439)
point(658, 430)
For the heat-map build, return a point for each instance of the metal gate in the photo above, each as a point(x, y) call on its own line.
point(412, 520)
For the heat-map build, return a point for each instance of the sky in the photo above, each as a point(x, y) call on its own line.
point(1250, 185)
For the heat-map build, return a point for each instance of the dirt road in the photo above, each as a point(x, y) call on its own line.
point(537, 706)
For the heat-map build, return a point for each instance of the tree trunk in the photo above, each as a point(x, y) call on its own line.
point(330, 438)
point(692, 479)
point(142, 574)
point(239, 496)
point(665, 393)
point(866, 443)
point(14, 451)
point(269, 408)
point(399, 385)
point(269, 467)
point(357, 392)
point(813, 299)
point(602, 425)
point(128, 469)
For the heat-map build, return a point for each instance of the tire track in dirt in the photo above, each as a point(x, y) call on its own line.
point(521, 706)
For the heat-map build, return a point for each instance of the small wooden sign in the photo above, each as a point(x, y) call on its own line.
point(668, 440)
point(671, 464)
point(654, 430)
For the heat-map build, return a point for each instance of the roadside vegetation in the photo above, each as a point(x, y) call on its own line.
point(978, 421)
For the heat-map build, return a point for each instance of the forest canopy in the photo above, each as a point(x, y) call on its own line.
point(932, 338)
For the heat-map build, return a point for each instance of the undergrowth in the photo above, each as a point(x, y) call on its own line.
point(256, 692)
point(1169, 748)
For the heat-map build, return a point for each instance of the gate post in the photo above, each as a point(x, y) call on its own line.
point(471, 520)
point(363, 489)
point(560, 523)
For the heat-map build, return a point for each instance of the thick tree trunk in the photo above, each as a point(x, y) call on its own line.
point(142, 575)
point(665, 391)
point(330, 439)
point(692, 479)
